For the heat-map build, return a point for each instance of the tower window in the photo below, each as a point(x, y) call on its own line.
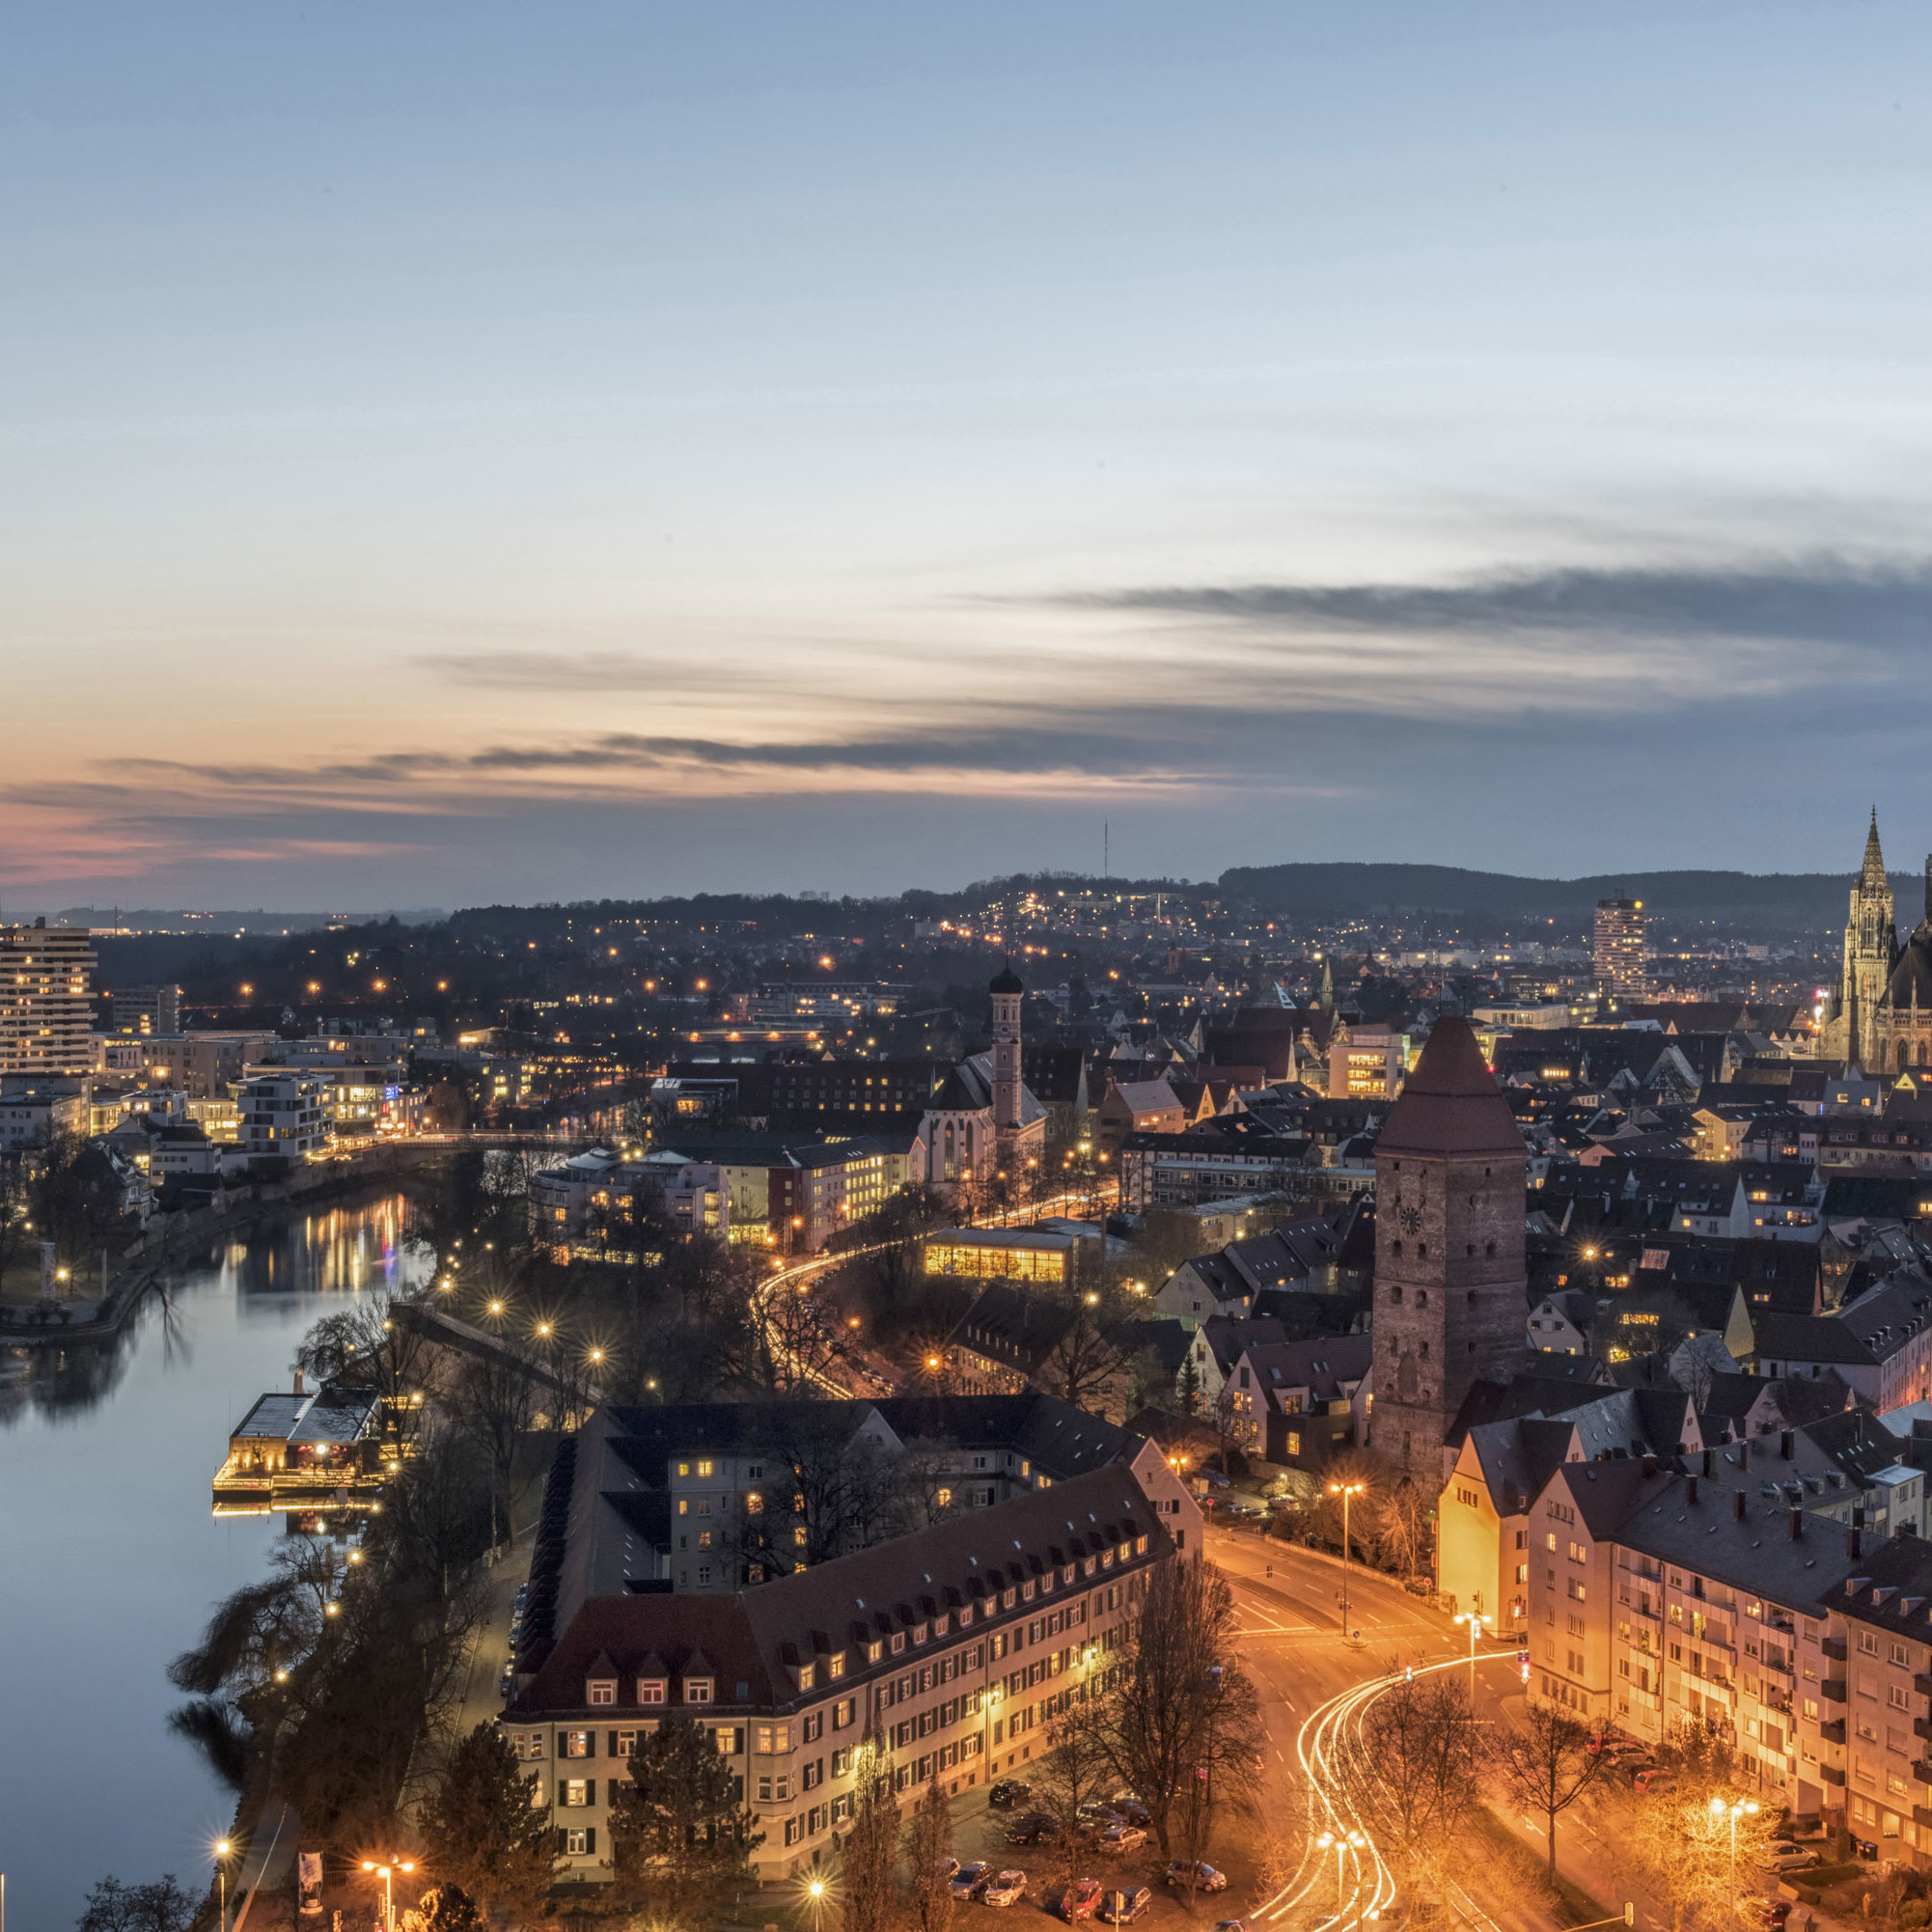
point(1471, 1297)
point(1468, 1248)
point(1421, 1298)
point(1396, 1296)
point(1489, 1247)
point(1396, 1248)
point(1421, 1250)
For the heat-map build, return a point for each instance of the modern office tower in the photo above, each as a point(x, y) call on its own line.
point(1619, 957)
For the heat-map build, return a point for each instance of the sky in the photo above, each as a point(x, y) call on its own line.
point(452, 455)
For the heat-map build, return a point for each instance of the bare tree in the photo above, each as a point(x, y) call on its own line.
point(1075, 1766)
point(1421, 1755)
point(494, 1399)
point(872, 1846)
point(929, 1850)
point(1547, 1765)
point(1179, 1701)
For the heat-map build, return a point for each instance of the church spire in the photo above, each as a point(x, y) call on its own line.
point(1872, 876)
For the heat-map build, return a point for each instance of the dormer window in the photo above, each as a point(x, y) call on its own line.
point(919, 1633)
point(651, 1690)
point(600, 1691)
point(1047, 1582)
point(965, 1616)
point(874, 1650)
point(1027, 1590)
point(698, 1690)
point(940, 1624)
point(808, 1676)
point(898, 1641)
point(1007, 1598)
point(835, 1665)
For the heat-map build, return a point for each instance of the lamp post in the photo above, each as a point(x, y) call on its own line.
point(222, 1848)
point(386, 1870)
point(1353, 1841)
point(1475, 1621)
point(1738, 1807)
point(1345, 1490)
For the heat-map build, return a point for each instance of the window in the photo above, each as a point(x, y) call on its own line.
point(651, 1690)
point(814, 1727)
point(577, 1842)
point(835, 1665)
point(1867, 1643)
point(841, 1760)
point(574, 1793)
point(624, 1744)
point(601, 1691)
point(808, 1676)
point(704, 1467)
point(1295, 1442)
point(697, 1690)
point(730, 1740)
point(842, 1714)
point(1898, 1653)
point(577, 1744)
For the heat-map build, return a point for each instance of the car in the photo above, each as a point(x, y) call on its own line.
point(969, 1878)
point(1649, 1777)
point(1122, 1908)
point(1785, 1856)
point(1195, 1872)
point(1117, 1840)
point(947, 1869)
point(1005, 1887)
point(1034, 1829)
point(1008, 1791)
point(1130, 1807)
point(1079, 1899)
point(1766, 1914)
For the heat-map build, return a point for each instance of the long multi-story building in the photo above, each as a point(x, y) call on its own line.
point(46, 1005)
point(955, 1641)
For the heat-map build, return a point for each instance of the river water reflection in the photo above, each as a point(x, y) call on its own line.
point(110, 1557)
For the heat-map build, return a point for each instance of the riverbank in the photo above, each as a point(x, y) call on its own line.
point(170, 1241)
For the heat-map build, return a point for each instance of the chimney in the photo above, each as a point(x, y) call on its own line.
point(1784, 1445)
point(1690, 1489)
point(1744, 1453)
point(298, 1381)
point(1797, 1525)
point(1708, 1453)
point(1852, 1544)
point(1649, 1465)
point(1737, 1506)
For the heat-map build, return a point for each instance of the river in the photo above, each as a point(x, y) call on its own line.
point(111, 1558)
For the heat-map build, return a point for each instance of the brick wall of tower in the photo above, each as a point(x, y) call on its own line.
point(1451, 1301)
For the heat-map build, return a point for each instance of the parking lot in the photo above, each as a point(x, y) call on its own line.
point(980, 1834)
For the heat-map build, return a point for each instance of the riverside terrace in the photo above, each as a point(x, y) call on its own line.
point(957, 1640)
point(298, 1451)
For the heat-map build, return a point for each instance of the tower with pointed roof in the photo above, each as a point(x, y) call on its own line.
point(1451, 1301)
point(1009, 993)
point(1853, 1028)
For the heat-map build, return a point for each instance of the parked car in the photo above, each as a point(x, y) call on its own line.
point(1130, 1807)
point(1080, 1898)
point(1122, 1908)
point(1785, 1856)
point(1648, 1777)
point(1117, 1840)
point(1034, 1829)
point(1005, 1887)
point(969, 1878)
point(1204, 1877)
point(1768, 1914)
point(1008, 1791)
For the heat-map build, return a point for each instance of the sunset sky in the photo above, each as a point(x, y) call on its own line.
point(454, 453)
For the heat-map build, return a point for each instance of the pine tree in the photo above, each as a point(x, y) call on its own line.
point(871, 1847)
point(928, 1849)
point(484, 1835)
point(680, 1835)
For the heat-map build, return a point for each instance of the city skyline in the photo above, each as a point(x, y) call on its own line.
point(477, 461)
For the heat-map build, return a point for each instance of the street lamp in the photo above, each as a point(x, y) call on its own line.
point(1738, 1807)
point(386, 1870)
point(1345, 1490)
point(1475, 1621)
point(1343, 1845)
point(222, 1848)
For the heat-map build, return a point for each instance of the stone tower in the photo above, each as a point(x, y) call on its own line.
point(1451, 1301)
point(1007, 993)
point(1871, 950)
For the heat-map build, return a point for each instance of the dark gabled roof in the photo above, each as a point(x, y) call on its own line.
point(1891, 1587)
point(1450, 1103)
point(1864, 1333)
point(1011, 1325)
point(1605, 1493)
point(1053, 1434)
point(744, 1639)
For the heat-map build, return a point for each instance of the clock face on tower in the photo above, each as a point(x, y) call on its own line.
point(1411, 1219)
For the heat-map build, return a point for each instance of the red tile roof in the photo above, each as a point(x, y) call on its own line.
point(1450, 1103)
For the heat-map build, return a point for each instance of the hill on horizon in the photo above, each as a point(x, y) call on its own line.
point(1358, 887)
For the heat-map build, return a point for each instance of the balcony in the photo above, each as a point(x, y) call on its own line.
point(1834, 1647)
point(1921, 1816)
point(1832, 1690)
point(1832, 1730)
point(1832, 1774)
point(1922, 1727)
point(1922, 1683)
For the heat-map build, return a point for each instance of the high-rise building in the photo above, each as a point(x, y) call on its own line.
point(46, 999)
point(1451, 1174)
point(1619, 957)
point(147, 1010)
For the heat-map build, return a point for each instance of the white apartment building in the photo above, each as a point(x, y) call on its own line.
point(282, 1117)
point(46, 1005)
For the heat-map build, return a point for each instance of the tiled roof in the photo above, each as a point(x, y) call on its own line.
point(1450, 1103)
